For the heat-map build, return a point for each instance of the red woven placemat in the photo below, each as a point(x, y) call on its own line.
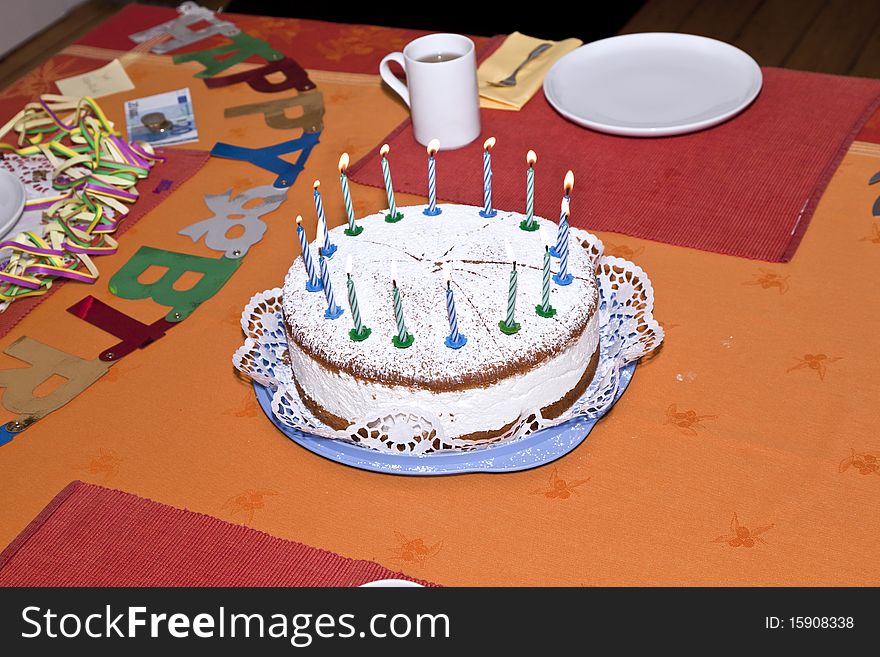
point(746, 188)
point(94, 536)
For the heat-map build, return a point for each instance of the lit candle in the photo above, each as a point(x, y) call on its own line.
point(333, 311)
point(328, 249)
point(403, 339)
point(393, 215)
point(563, 277)
point(455, 339)
point(529, 222)
point(487, 210)
point(359, 332)
point(544, 309)
point(508, 325)
point(352, 229)
point(432, 210)
point(314, 283)
point(562, 233)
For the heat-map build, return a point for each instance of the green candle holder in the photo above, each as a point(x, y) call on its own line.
point(530, 226)
point(354, 232)
point(403, 344)
point(550, 312)
point(360, 337)
point(393, 218)
point(508, 330)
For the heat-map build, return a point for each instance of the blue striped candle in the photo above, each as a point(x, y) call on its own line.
point(567, 185)
point(563, 276)
point(329, 248)
point(432, 210)
point(455, 339)
point(333, 311)
point(314, 283)
point(487, 210)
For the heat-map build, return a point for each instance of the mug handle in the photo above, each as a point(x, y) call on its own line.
point(392, 80)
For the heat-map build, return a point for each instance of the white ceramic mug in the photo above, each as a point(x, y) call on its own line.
point(442, 95)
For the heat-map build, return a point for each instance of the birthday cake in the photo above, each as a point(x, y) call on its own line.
point(457, 352)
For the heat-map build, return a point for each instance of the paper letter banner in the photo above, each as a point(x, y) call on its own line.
point(242, 47)
point(134, 334)
point(45, 361)
point(179, 31)
point(269, 158)
point(311, 120)
point(295, 77)
point(215, 273)
point(229, 211)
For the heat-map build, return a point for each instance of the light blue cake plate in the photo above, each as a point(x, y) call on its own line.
point(529, 452)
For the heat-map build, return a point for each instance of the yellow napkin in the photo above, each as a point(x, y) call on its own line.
point(511, 54)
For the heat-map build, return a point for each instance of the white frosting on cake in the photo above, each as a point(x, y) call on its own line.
point(461, 412)
point(490, 381)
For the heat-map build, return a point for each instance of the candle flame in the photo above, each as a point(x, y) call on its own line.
point(545, 237)
point(394, 272)
point(299, 219)
point(447, 274)
point(510, 254)
point(343, 163)
point(564, 208)
point(433, 147)
point(384, 150)
point(316, 184)
point(531, 158)
point(348, 265)
point(569, 182)
point(489, 144)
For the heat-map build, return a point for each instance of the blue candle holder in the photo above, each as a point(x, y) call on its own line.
point(455, 344)
point(314, 286)
point(488, 215)
point(432, 213)
point(563, 280)
point(334, 313)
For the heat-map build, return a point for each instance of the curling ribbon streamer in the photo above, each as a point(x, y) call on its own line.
point(95, 173)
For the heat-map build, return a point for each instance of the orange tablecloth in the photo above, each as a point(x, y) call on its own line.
point(724, 463)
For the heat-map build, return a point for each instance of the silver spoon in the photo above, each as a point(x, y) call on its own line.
point(510, 80)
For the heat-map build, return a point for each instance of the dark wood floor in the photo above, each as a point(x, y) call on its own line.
point(831, 36)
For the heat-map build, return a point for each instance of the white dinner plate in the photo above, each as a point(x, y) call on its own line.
point(391, 583)
point(12, 198)
point(652, 84)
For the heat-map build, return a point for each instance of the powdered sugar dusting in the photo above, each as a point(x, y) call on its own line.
point(474, 247)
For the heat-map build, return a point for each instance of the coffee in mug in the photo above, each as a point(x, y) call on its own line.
point(439, 57)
